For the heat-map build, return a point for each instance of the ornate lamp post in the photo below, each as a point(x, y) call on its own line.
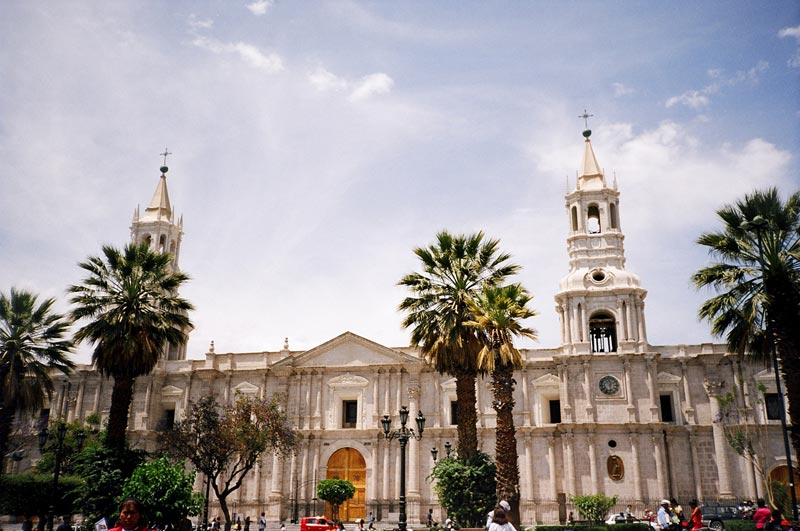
point(757, 225)
point(61, 432)
point(447, 449)
point(403, 434)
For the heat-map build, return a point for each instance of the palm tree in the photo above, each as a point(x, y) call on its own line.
point(498, 312)
point(757, 280)
point(31, 345)
point(455, 270)
point(133, 310)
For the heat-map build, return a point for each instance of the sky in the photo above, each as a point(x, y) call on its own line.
point(316, 144)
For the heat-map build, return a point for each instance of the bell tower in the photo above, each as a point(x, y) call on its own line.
point(600, 304)
point(157, 228)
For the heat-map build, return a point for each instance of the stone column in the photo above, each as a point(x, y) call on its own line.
point(386, 472)
point(526, 410)
point(79, 400)
point(697, 477)
point(652, 388)
point(569, 457)
point(713, 388)
point(632, 413)
point(387, 384)
point(633, 439)
point(661, 474)
point(187, 394)
point(528, 476)
point(640, 315)
point(319, 414)
point(687, 392)
point(592, 461)
point(551, 465)
point(372, 472)
point(413, 444)
point(563, 375)
point(587, 384)
point(567, 327)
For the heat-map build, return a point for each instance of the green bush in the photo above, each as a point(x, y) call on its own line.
point(30, 494)
point(466, 489)
point(594, 507)
point(740, 525)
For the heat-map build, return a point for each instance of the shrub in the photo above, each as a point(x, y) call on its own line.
point(594, 507)
point(466, 489)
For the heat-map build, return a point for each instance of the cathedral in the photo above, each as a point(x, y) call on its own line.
point(605, 412)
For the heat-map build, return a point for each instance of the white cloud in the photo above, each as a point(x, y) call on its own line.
point(196, 24)
point(621, 90)
point(691, 98)
point(793, 61)
point(790, 32)
point(698, 99)
point(368, 86)
point(324, 80)
point(254, 56)
point(259, 7)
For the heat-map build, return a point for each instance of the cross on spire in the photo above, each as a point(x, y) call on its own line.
point(166, 152)
point(585, 117)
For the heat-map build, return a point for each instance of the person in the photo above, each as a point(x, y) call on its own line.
point(762, 514)
point(27, 525)
point(571, 518)
point(448, 524)
point(429, 519)
point(340, 526)
point(662, 517)
point(677, 512)
point(774, 522)
point(500, 520)
point(247, 523)
point(130, 516)
point(215, 524)
point(64, 524)
point(628, 513)
point(283, 526)
point(490, 516)
point(262, 522)
point(696, 517)
point(371, 521)
point(238, 525)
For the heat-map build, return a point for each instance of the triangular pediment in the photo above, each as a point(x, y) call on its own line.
point(667, 378)
point(547, 380)
point(349, 350)
point(246, 388)
point(170, 391)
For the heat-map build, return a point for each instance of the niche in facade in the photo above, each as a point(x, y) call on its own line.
point(603, 332)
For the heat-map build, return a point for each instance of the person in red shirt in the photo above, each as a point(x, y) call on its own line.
point(762, 514)
point(130, 516)
point(696, 518)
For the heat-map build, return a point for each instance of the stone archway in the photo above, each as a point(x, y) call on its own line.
point(349, 464)
point(781, 473)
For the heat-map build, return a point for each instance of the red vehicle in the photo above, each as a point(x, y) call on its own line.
point(316, 523)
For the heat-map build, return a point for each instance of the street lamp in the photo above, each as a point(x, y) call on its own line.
point(403, 434)
point(61, 432)
point(757, 225)
point(447, 449)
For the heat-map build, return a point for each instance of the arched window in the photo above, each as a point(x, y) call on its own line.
point(574, 218)
point(593, 220)
point(612, 210)
point(147, 240)
point(162, 243)
point(603, 332)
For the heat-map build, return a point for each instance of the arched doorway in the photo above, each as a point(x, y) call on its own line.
point(781, 473)
point(347, 463)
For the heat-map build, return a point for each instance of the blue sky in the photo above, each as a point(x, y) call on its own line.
point(316, 143)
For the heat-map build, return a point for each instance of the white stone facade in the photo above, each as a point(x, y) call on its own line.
point(636, 420)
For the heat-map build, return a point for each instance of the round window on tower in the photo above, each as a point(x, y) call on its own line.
point(598, 276)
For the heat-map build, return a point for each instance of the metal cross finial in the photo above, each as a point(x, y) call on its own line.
point(166, 152)
point(586, 117)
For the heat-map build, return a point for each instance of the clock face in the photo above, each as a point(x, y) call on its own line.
point(609, 385)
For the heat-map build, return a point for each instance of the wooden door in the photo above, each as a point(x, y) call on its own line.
point(347, 463)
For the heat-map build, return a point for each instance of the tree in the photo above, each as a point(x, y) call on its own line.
point(454, 270)
point(335, 492)
point(133, 311)
point(466, 488)
point(757, 280)
point(225, 442)
point(497, 315)
point(166, 490)
point(747, 438)
point(104, 471)
point(594, 507)
point(31, 345)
